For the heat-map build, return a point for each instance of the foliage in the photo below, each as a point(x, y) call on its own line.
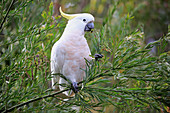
point(128, 77)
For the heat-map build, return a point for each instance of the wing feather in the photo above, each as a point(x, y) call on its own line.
point(57, 61)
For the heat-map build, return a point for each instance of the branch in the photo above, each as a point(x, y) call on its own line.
point(50, 95)
point(33, 100)
point(7, 14)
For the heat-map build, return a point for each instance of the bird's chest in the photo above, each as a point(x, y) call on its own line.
point(77, 52)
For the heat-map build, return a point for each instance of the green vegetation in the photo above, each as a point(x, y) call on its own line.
point(127, 80)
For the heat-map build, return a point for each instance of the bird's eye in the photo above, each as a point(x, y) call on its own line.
point(84, 20)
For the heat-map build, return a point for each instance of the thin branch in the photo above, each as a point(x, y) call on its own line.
point(33, 100)
point(50, 95)
point(7, 14)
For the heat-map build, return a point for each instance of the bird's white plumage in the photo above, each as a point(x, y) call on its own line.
point(70, 51)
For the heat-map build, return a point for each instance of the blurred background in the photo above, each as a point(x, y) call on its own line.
point(152, 15)
point(29, 28)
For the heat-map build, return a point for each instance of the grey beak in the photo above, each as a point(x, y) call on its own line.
point(89, 26)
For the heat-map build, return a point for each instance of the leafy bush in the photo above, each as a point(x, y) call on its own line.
point(128, 77)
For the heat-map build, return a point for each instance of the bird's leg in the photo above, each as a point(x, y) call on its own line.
point(97, 56)
point(75, 87)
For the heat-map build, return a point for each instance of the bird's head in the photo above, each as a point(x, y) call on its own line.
point(79, 23)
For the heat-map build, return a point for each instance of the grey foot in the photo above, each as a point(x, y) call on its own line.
point(97, 56)
point(75, 87)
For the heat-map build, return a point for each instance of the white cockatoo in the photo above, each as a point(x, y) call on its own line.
point(70, 51)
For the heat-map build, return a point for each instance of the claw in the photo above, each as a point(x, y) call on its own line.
point(97, 56)
point(75, 87)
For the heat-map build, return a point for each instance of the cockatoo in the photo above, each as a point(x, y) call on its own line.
point(70, 51)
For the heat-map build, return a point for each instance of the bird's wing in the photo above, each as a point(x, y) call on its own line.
point(57, 61)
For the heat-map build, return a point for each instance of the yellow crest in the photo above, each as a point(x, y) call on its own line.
point(67, 16)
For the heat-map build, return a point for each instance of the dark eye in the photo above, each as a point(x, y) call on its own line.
point(84, 20)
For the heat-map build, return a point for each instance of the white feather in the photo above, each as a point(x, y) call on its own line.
point(68, 53)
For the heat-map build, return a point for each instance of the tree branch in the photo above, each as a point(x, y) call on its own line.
point(6, 14)
point(33, 100)
point(50, 95)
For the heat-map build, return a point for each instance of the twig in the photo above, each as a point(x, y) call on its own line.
point(50, 95)
point(7, 14)
point(33, 100)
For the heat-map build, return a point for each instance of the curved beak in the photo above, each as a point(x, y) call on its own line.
point(89, 26)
